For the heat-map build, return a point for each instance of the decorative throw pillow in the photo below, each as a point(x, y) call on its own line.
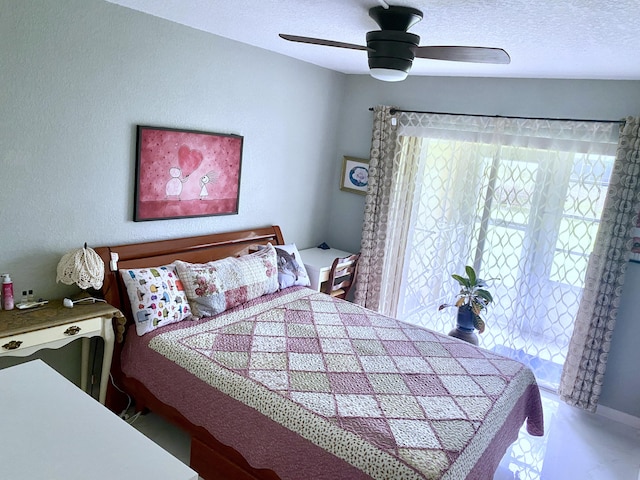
point(291, 270)
point(157, 297)
point(217, 286)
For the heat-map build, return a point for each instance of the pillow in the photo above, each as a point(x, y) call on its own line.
point(157, 297)
point(291, 270)
point(217, 286)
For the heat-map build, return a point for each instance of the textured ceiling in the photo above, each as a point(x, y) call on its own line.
point(587, 39)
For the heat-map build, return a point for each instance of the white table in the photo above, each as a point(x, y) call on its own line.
point(51, 430)
point(318, 263)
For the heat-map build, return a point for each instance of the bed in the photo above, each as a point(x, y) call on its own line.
point(294, 383)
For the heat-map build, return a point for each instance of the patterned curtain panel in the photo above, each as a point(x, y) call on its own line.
point(584, 369)
point(375, 257)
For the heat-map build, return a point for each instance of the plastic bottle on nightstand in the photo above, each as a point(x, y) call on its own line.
point(7, 292)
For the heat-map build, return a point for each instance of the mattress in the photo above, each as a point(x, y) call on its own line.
point(308, 385)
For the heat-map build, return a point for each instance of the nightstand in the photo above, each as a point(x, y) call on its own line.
point(23, 332)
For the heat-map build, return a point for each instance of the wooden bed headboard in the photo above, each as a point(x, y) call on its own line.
point(200, 249)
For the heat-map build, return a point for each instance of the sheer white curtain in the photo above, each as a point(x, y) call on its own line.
point(519, 199)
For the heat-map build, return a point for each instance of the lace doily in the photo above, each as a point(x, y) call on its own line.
point(83, 266)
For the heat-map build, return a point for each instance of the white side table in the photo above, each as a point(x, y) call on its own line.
point(318, 263)
point(23, 332)
point(51, 430)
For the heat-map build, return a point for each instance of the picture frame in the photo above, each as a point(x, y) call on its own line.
point(355, 175)
point(186, 173)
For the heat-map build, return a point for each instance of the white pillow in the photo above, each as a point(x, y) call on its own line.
point(157, 297)
point(291, 270)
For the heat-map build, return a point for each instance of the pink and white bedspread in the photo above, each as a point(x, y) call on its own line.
point(315, 387)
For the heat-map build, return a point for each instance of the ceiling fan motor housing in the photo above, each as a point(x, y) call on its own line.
point(395, 17)
point(391, 49)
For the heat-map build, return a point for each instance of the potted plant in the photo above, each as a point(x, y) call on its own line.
point(471, 300)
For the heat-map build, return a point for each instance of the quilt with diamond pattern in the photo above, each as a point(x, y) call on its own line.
point(316, 387)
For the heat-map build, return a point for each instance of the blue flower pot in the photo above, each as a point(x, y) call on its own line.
point(465, 329)
point(465, 319)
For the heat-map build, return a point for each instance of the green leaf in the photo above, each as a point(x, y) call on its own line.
point(461, 280)
point(471, 273)
point(484, 294)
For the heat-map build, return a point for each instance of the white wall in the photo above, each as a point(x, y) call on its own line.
point(621, 389)
point(609, 100)
point(77, 76)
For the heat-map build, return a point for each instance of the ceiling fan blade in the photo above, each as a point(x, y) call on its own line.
point(319, 41)
point(464, 54)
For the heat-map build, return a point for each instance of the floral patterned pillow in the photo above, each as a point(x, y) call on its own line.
point(157, 297)
point(217, 286)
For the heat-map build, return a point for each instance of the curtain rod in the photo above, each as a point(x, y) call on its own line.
point(393, 111)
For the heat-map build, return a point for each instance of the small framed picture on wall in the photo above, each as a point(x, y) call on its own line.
point(355, 175)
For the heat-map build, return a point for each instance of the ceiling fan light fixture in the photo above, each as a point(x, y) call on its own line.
point(391, 50)
point(388, 74)
point(390, 54)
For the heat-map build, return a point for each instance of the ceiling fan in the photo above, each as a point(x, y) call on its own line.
point(391, 49)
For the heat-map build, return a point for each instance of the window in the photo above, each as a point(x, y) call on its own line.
point(521, 210)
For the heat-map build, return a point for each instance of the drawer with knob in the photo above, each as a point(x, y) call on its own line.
point(24, 344)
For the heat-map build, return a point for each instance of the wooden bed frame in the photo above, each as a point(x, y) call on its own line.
point(209, 457)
